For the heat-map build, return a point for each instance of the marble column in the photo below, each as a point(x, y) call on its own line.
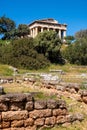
point(64, 33)
point(60, 34)
point(36, 31)
point(41, 29)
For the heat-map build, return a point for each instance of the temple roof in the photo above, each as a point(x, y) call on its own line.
point(50, 20)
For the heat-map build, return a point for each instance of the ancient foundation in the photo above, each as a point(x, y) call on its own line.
point(23, 112)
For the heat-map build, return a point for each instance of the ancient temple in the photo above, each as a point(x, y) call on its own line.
point(47, 24)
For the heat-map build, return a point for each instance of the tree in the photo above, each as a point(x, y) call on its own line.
point(22, 30)
point(81, 34)
point(6, 26)
point(20, 53)
point(77, 52)
point(49, 44)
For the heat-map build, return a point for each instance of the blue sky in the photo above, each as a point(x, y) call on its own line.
point(71, 12)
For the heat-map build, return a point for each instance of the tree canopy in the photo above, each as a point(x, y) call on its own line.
point(6, 25)
point(49, 44)
point(76, 53)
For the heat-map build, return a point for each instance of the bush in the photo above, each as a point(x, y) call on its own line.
point(21, 54)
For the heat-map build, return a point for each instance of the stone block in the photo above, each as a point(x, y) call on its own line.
point(51, 104)
point(16, 123)
point(31, 128)
point(50, 120)
point(14, 115)
point(29, 122)
point(22, 128)
point(14, 106)
point(29, 97)
point(3, 107)
point(5, 124)
point(29, 106)
point(39, 122)
point(61, 119)
point(40, 104)
point(57, 112)
point(13, 97)
point(40, 113)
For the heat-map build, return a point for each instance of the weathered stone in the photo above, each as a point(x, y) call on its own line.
point(51, 104)
point(61, 119)
point(61, 104)
point(16, 123)
point(14, 115)
point(40, 113)
point(58, 112)
point(29, 97)
point(29, 106)
point(29, 122)
point(5, 124)
point(39, 122)
point(22, 128)
point(31, 128)
point(13, 97)
point(50, 120)
point(76, 116)
point(40, 104)
point(14, 106)
point(3, 106)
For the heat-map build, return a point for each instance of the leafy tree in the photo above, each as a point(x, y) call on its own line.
point(49, 44)
point(20, 53)
point(81, 34)
point(77, 52)
point(6, 25)
point(22, 30)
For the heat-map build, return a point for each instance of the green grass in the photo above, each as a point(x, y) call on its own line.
point(5, 70)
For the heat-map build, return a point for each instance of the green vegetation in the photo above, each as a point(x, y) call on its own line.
point(5, 70)
point(76, 53)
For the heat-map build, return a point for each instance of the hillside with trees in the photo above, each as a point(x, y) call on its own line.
point(39, 52)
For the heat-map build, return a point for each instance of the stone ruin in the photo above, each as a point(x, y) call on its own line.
point(23, 112)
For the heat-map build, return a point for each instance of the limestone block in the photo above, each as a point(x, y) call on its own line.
point(40, 104)
point(29, 106)
point(40, 113)
point(14, 115)
point(3, 106)
point(61, 119)
point(22, 128)
point(5, 124)
point(29, 122)
point(31, 128)
point(16, 106)
point(39, 122)
point(51, 104)
point(57, 112)
point(16, 123)
point(29, 97)
point(13, 97)
point(50, 120)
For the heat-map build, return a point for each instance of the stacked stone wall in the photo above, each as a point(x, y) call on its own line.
point(23, 112)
